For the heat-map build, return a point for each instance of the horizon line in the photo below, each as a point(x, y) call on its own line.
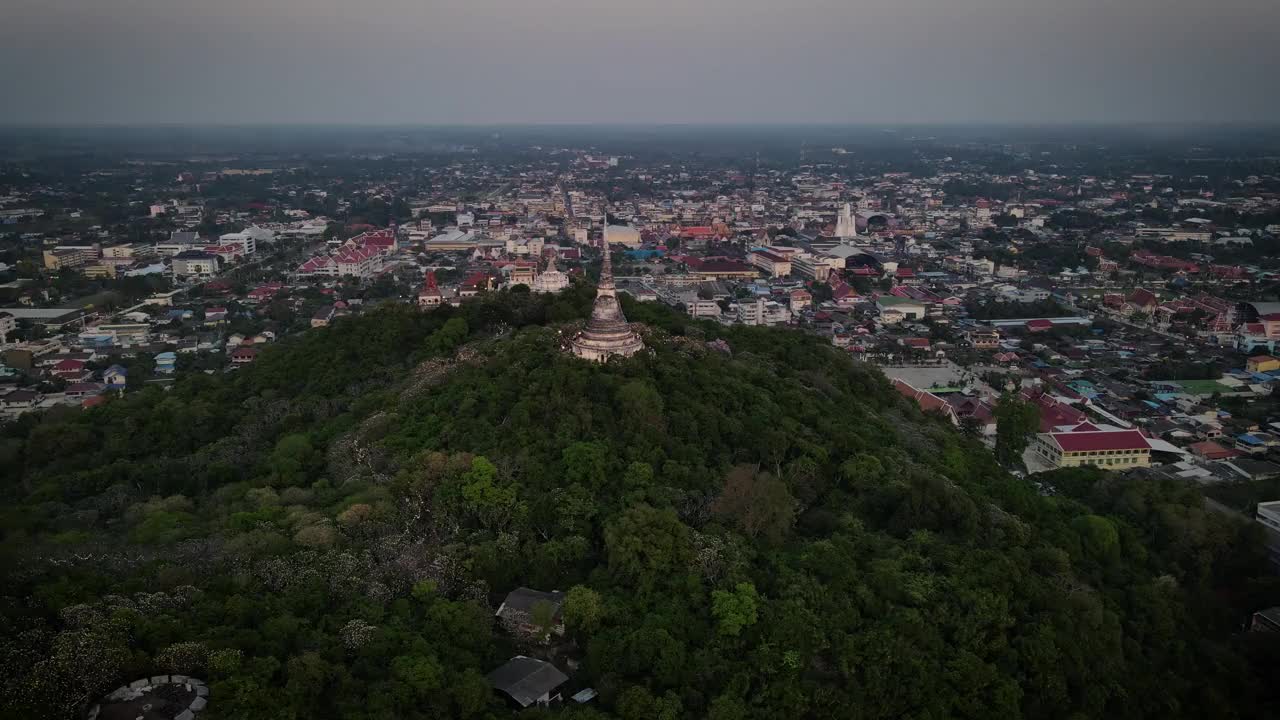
point(1254, 124)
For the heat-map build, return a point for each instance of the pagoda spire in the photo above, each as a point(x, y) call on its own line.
point(606, 285)
point(607, 332)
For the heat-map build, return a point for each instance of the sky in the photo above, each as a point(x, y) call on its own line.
point(90, 62)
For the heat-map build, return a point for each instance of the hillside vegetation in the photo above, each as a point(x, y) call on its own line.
point(758, 531)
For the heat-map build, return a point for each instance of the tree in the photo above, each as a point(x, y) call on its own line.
point(417, 677)
point(586, 463)
point(491, 502)
point(1016, 421)
point(292, 460)
point(734, 610)
point(1099, 537)
point(757, 502)
point(543, 615)
point(583, 610)
point(647, 546)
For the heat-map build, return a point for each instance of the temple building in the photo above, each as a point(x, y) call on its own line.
point(607, 333)
point(846, 223)
point(429, 295)
point(551, 280)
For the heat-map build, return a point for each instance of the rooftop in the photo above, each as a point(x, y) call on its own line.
point(526, 679)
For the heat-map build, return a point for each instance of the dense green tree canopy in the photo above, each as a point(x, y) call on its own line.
point(765, 533)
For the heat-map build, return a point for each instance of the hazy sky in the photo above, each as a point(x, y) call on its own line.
point(680, 61)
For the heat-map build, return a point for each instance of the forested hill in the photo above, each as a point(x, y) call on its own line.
point(754, 527)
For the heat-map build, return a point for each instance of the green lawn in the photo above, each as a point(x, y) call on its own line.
point(1202, 387)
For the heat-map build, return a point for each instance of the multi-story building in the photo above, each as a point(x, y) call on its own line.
point(119, 251)
point(699, 308)
point(70, 256)
point(245, 242)
point(99, 270)
point(195, 263)
point(983, 339)
point(774, 264)
point(360, 262)
point(8, 323)
point(1106, 449)
point(762, 312)
point(817, 267)
point(1169, 234)
point(800, 299)
point(116, 334)
point(721, 269)
point(318, 265)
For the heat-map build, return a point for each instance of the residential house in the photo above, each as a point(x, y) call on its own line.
point(1262, 364)
point(528, 681)
point(1267, 620)
point(84, 389)
point(1210, 450)
point(520, 609)
point(19, 401)
point(116, 377)
point(323, 316)
point(72, 371)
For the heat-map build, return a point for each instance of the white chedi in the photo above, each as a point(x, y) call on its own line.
point(551, 280)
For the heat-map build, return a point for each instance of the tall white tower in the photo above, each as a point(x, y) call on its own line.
point(846, 225)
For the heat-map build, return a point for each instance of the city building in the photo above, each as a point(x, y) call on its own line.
point(194, 264)
point(1086, 444)
point(772, 263)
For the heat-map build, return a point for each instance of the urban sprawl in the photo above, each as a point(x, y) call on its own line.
point(1135, 309)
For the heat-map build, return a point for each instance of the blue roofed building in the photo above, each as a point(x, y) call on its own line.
point(116, 377)
point(166, 363)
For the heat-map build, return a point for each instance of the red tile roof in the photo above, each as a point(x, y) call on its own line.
point(315, 264)
point(926, 400)
point(1053, 413)
point(1100, 440)
point(1211, 450)
point(1143, 298)
point(698, 231)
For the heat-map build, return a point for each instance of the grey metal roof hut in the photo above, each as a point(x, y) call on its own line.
point(527, 680)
